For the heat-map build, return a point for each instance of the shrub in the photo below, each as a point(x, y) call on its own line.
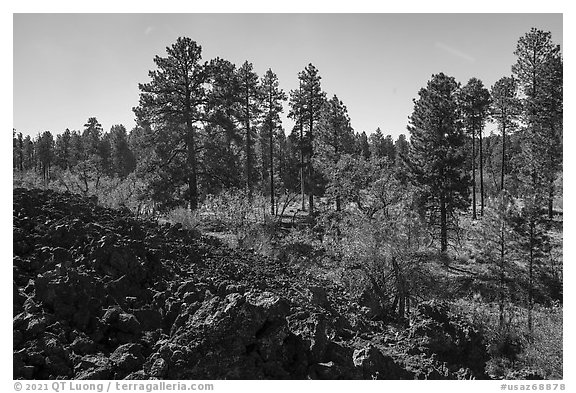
point(111, 192)
point(232, 210)
point(181, 215)
point(544, 350)
point(514, 353)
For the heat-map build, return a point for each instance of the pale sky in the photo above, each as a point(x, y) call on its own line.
point(69, 67)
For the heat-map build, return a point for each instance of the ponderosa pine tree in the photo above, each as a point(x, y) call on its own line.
point(172, 105)
point(45, 154)
point(389, 149)
point(297, 135)
point(122, 159)
point(475, 102)
point(496, 240)
point(382, 146)
point(273, 97)
point(77, 153)
point(335, 138)
point(552, 121)
point(96, 147)
point(219, 163)
point(436, 157)
point(18, 151)
point(376, 142)
point(362, 145)
point(539, 71)
point(286, 169)
point(529, 166)
point(105, 154)
point(91, 136)
point(62, 149)
point(14, 150)
point(250, 98)
point(223, 139)
point(29, 156)
point(291, 163)
point(306, 104)
point(505, 110)
point(401, 149)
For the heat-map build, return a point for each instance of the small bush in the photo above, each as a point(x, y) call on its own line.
point(112, 192)
point(28, 179)
point(299, 246)
point(181, 215)
point(232, 210)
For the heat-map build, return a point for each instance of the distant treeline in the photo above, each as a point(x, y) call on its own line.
point(204, 127)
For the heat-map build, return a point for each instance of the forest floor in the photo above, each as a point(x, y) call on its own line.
point(99, 294)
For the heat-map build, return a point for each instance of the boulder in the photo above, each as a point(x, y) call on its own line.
point(159, 368)
point(311, 328)
point(128, 357)
point(318, 296)
point(434, 330)
point(373, 364)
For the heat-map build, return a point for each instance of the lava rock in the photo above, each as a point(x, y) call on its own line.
point(375, 365)
point(128, 357)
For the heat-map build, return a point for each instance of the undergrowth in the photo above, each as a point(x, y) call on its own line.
point(515, 353)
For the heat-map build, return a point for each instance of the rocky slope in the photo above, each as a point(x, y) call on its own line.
point(101, 295)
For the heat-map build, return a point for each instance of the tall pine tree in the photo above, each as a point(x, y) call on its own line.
point(273, 97)
point(475, 101)
point(62, 149)
point(45, 154)
point(250, 111)
point(306, 104)
point(171, 106)
point(437, 156)
point(505, 110)
point(122, 159)
point(539, 71)
point(335, 138)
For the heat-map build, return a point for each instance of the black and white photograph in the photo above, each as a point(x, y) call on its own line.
point(287, 196)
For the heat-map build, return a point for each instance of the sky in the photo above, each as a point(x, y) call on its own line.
point(69, 67)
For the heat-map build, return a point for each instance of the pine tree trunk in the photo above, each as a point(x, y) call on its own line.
point(503, 156)
point(191, 164)
point(248, 149)
point(551, 169)
point(502, 275)
point(271, 169)
point(302, 190)
point(301, 118)
point(311, 169)
point(530, 275)
point(551, 201)
point(264, 170)
point(20, 156)
point(481, 175)
point(190, 152)
point(337, 158)
point(474, 216)
point(443, 224)
point(310, 191)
